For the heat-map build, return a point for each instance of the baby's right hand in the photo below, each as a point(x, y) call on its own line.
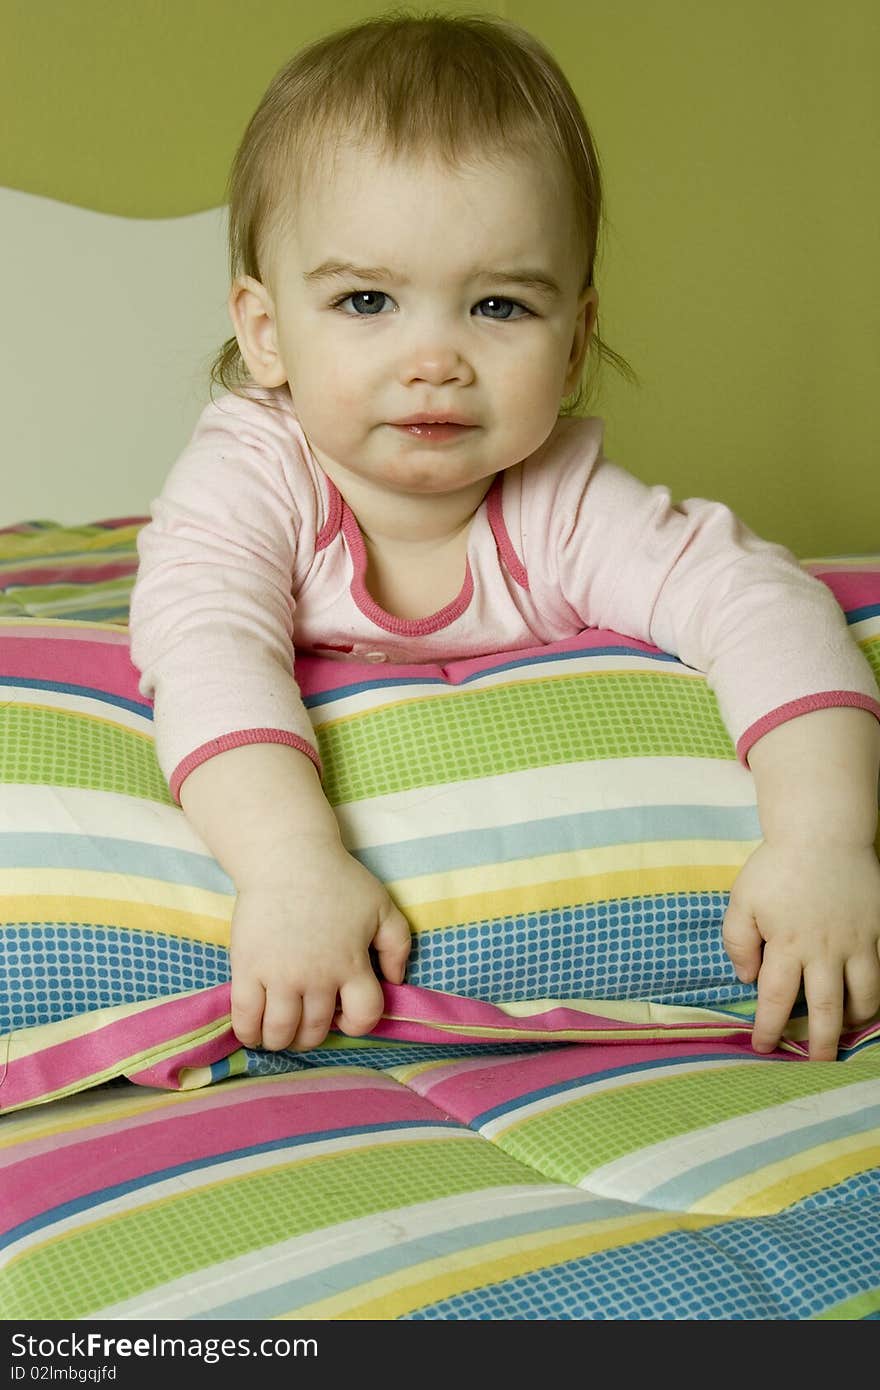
point(299, 950)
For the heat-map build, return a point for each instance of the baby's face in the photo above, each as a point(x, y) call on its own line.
point(437, 326)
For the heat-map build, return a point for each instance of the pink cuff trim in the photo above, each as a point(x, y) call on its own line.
point(827, 700)
point(239, 739)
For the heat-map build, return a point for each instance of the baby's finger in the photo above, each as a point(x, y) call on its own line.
point(778, 984)
point(248, 1002)
point(823, 987)
point(742, 941)
point(862, 980)
point(281, 1018)
point(361, 1005)
point(392, 942)
point(314, 1025)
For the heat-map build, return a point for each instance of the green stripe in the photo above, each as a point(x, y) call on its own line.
point(59, 748)
point(65, 600)
point(142, 1249)
point(532, 724)
point(870, 647)
point(81, 543)
point(586, 1132)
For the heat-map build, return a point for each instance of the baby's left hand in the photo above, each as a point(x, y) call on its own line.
point(810, 912)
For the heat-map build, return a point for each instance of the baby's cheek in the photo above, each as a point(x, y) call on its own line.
point(328, 404)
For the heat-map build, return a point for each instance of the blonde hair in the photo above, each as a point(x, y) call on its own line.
point(458, 88)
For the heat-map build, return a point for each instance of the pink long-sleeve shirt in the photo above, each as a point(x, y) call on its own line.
point(251, 550)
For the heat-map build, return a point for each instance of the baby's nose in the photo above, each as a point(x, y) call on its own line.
point(437, 363)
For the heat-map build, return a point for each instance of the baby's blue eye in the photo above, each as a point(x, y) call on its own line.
point(362, 295)
point(507, 303)
point(366, 301)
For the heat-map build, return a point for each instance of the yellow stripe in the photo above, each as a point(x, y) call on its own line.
point(544, 897)
point(680, 857)
point(52, 624)
point(624, 1010)
point(48, 545)
point(780, 1185)
point(723, 1028)
point(450, 1275)
point(151, 915)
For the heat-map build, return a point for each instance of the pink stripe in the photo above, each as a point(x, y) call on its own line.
point(240, 739)
point(41, 1183)
point(97, 666)
point(70, 573)
point(829, 699)
point(495, 509)
point(107, 1049)
point(425, 1015)
point(52, 630)
point(317, 675)
point(851, 588)
point(232, 1094)
point(469, 1089)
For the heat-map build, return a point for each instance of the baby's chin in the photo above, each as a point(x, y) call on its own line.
point(434, 480)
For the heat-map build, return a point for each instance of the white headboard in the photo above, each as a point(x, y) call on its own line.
point(108, 328)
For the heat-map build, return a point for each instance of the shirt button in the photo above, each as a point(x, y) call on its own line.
point(375, 656)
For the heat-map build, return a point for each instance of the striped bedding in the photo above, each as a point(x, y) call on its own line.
point(472, 1158)
point(682, 1181)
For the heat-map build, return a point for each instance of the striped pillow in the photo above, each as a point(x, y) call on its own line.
point(561, 827)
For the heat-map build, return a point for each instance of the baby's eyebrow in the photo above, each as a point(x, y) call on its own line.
point(531, 279)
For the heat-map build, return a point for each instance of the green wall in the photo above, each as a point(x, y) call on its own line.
point(739, 143)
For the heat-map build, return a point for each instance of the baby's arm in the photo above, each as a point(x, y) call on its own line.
point(306, 912)
point(796, 694)
point(806, 905)
point(212, 633)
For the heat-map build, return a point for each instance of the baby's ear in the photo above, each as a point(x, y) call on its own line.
point(587, 309)
point(253, 318)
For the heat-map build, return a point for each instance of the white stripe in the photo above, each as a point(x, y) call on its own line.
point(309, 1254)
point(69, 703)
point(544, 792)
point(636, 1176)
point(44, 810)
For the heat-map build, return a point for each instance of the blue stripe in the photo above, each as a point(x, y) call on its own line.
point(628, 825)
point(681, 1191)
point(364, 1270)
point(87, 691)
point(858, 615)
point(101, 854)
